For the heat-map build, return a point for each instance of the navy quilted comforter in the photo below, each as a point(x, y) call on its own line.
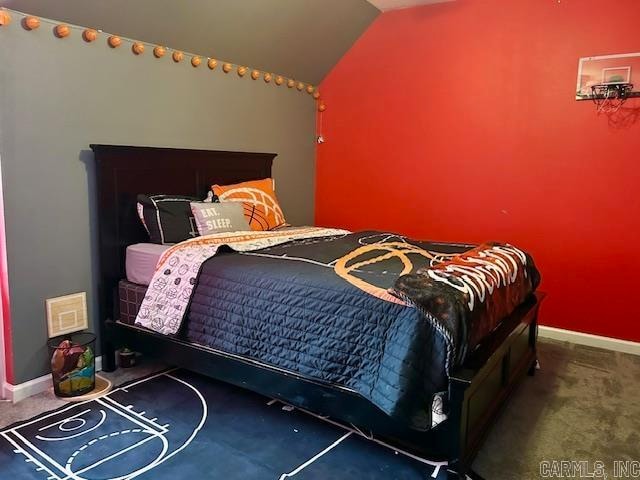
point(376, 313)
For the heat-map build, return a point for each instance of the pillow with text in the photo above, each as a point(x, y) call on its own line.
point(219, 217)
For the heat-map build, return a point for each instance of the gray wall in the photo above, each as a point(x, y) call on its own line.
point(303, 39)
point(58, 96)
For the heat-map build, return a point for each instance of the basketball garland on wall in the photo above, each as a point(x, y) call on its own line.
point(138, 48)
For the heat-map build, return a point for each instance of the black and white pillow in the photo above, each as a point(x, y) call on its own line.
point(167, 218)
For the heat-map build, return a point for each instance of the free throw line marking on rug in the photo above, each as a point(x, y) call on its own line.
point(74, 417)
point(68, 419)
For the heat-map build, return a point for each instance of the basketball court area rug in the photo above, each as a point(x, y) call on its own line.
point(177, 424)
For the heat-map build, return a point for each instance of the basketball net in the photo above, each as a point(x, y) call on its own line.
point(609, 97)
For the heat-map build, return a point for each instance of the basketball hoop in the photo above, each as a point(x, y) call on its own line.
point(609, 97)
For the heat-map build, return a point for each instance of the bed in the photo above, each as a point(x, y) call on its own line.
point(470, 392)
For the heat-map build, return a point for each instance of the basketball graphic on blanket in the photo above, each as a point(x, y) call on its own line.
point(349, 265)
point(261, 208)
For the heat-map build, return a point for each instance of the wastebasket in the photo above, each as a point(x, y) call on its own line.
point(73, 364)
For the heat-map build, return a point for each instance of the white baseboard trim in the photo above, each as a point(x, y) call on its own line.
point(15, 393)
point(590, 340)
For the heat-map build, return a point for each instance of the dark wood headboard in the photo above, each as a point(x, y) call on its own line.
point(122, 172)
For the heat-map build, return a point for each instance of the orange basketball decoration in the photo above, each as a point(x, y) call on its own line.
point(322, 107)
point(5, 18)
point(31, 22)
point(255, 74)
point(177, 56)
point(310, 89)
point(279, 80)
point(291, 83)
point(300, 86)
point(242, 71)
point(114, 41)
point(226, 68)
point(159, 51)
point(196, 61)
point(316, 94)
point(137, 48)
point(89, 35)
point(211, 63)
point(62, 30)
point(267, 77)
point(259, 201)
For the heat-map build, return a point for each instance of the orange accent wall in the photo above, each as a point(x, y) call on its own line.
point(458, 122)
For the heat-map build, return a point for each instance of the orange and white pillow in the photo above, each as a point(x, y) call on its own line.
point(258, 197)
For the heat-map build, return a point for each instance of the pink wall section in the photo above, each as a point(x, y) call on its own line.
point(458, 122)
point(6, 351)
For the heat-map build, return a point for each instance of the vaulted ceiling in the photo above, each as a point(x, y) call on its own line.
point(302, 39)
point(385, 5)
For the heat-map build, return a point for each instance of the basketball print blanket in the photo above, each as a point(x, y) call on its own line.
point(169, 293)
point(375, 313)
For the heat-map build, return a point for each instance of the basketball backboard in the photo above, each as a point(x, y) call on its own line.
point(608, 70)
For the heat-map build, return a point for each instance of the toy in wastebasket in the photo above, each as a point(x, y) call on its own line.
point(73, 368)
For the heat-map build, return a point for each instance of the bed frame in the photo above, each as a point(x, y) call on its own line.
point(477, 391)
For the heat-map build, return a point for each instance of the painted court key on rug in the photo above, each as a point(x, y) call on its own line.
point(177, 424)
point(121, 435)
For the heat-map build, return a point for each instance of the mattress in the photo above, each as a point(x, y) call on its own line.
point(130, 297)
point(141, 260)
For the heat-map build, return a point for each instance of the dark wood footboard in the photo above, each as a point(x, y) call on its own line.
point(479, 390)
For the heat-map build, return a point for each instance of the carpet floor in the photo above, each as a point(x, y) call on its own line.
point(584, 404)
